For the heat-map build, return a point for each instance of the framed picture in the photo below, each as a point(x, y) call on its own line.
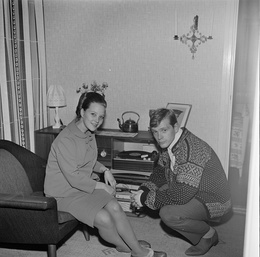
point(182, 112)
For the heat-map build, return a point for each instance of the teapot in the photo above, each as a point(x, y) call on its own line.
point(129, 125)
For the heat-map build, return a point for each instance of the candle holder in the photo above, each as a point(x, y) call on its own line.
point(194, 36)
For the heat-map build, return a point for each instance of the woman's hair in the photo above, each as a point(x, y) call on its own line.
point(86, 99)
point(156, 116)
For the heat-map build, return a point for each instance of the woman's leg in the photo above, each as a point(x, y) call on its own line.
point(115, 228)
point(107, 230)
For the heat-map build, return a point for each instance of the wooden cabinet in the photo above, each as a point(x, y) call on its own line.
point(43, 140)
point(109, 142)
point(104, 145)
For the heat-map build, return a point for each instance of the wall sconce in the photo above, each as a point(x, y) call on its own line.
point(194, 36)
point(56, 99)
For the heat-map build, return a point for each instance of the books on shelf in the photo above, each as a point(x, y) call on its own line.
point(124, 191)
point(124, 199)
point(123, 196)
point(125, 187)
point(126, 206)
point(128, 181)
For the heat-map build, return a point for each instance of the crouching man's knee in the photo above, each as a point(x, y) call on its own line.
point(169, 216)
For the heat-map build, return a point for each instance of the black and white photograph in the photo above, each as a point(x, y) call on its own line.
point(129, 128)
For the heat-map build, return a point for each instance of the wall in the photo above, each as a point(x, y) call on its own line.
point(129, 45)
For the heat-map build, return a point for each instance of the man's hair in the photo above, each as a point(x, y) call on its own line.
point(156, 116)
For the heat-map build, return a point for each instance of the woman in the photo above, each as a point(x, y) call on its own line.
point(71, 178)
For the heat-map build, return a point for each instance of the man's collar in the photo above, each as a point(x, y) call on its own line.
point(177, 136)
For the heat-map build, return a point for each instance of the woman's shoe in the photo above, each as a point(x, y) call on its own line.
point(143, 243)
point(203, 246)
point(153, 253)
point(159, 254)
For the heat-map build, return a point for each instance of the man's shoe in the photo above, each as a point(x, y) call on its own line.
point(153, 253)
point(144, 244)
point(203, 246)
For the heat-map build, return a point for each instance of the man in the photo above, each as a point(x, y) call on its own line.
point(188, 184)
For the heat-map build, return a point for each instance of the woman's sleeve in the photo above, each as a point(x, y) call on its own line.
point(99, 167)
point(66, 151)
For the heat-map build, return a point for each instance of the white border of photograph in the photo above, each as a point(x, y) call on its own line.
point(182, 112)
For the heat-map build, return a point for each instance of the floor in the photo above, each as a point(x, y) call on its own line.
point(231, 236)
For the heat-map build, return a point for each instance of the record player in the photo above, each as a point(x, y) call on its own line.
point(135, 160)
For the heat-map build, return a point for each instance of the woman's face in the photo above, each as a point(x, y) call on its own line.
point(93, 117)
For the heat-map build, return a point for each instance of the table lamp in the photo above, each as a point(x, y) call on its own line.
point(56, 99)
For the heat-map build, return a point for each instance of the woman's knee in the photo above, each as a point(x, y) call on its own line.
point(114, 207)
point(103, 219)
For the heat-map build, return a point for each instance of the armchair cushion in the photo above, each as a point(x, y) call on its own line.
point(64, 217)
point(13, 178)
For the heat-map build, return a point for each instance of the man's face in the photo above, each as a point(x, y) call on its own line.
point(164, 134)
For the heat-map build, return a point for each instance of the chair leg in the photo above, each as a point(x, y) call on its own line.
point(85, 231)
point(52, 251)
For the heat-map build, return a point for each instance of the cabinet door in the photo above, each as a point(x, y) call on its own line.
point(104, 145)
point(43, 144)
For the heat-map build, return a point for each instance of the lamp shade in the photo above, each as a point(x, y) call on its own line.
point(56, 96)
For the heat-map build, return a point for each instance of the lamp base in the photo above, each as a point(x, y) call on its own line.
point(57, 119)
point(56, 126)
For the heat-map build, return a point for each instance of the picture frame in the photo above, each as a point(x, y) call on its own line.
point(182, 112)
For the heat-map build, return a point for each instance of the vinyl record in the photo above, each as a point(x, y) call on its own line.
point(136, 155)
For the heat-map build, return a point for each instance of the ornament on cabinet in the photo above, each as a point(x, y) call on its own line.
point(94, 87)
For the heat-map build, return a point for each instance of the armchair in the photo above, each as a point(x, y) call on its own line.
point(26, 215)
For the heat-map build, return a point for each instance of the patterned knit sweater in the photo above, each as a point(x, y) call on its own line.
point(197, 173)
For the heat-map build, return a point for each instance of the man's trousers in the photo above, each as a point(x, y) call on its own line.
point(190, 219)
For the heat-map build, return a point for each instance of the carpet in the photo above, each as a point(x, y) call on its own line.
point(231, 235)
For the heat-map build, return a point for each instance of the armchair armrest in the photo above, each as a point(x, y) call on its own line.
point(28, 219)
point(27, 202)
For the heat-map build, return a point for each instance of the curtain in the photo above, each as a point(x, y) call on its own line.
point(22, 71)
point(244, 87)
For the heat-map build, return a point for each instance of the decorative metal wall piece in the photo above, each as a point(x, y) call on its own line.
point(194, 36)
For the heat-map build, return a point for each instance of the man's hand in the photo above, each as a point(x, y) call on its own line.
point(135, 198)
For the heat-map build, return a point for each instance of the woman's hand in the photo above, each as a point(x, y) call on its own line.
point(109, 178)
point(108, 188)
